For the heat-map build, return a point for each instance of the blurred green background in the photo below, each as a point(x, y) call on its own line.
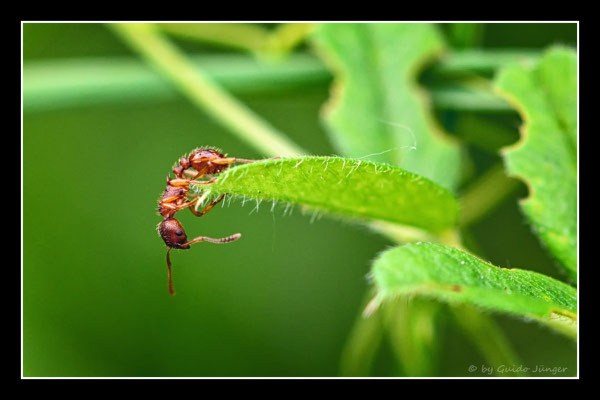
point(279, 302)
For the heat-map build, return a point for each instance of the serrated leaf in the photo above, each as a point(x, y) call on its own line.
point(456, 277)
point(376, 107)
point(545, 94)
point(356, 188)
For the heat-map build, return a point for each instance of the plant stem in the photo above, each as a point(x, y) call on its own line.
point(483, 195)
point(482, 61)
point(462, 98)
point(413, 329)
point(402, 233)
point(249, 37)
point(286, 37)
point(49, 85)
point(202, 91)
point(362, 345)
point(488, 337)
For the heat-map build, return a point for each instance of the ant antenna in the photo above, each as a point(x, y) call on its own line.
point(227, 239)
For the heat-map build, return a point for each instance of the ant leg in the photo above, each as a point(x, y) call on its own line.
point(189, 205)
point(171, 290)
point(202, 182)
point(195, 175)
point(207, 208)
point(231, 160)
point(185, 205)
point(227, 239)
point(191, 172)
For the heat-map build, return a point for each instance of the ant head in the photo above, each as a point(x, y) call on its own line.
point(173, 234)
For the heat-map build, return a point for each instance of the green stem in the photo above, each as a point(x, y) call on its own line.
point(487, 336)
point(49, 85)
point(286, 37)
point(483, 61)
point(202, 91)
point(362, 345)
point(414, 329)
point(489, 190)
point(402, 233)
point(249, 37)
point(461, 97)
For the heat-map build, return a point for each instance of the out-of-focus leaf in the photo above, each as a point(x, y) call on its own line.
point(357, 188)
point(453, 276)
point(546, 156)
point(465, 35)
point(376, 107)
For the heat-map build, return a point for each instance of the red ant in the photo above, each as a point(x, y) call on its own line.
point(204, 162)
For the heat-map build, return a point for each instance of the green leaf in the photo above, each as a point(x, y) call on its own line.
point(356, 188)
point(376, 107)
point(545, 94)
point(465, 35)
point(456, 277)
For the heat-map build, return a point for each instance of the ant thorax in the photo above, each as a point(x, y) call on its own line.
point(207, 161)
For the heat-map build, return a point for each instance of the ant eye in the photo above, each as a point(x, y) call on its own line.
point(179, 232)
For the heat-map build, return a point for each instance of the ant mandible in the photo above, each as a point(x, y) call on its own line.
point(204, 162)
